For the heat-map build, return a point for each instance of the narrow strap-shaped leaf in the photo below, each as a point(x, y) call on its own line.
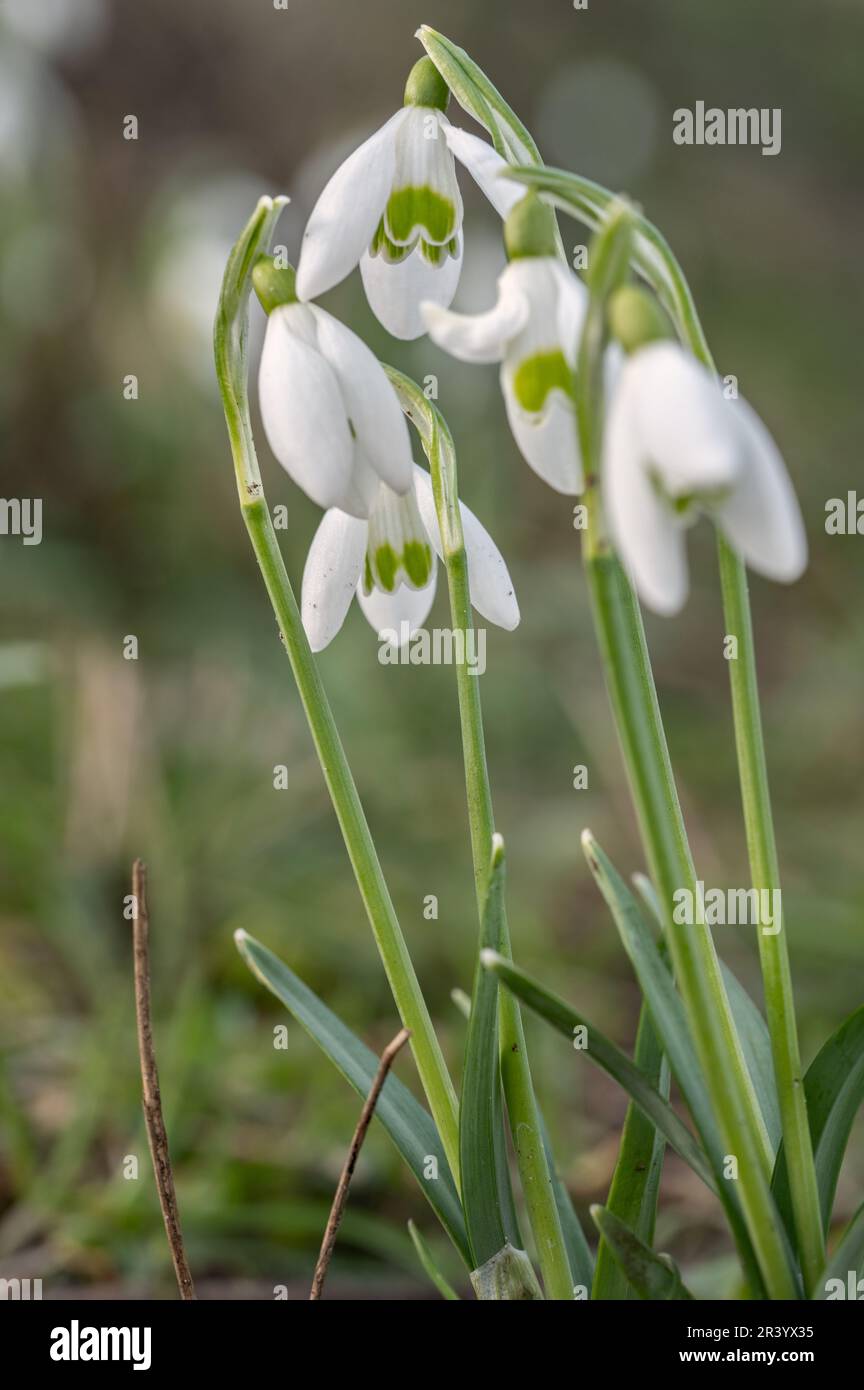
point(846, 1265)
point(670, 1021)
point(655, 1277)
point(636, 1181)
point(407, 1123)
point(751, 1026)
point(427, 1260)
point(605, 1054)
point(578, 1249)
point(661, 996)
point(479, 1154)
point(834, 1087)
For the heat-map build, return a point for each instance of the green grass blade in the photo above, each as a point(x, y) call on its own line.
point(427, 1260)
point(653, 1276)
point(407, 1123)
point(605, 1054)
point(636, 1181)
point(834, 1087)
point(479, 1154)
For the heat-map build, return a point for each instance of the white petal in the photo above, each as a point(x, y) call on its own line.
point(370, 401)
point(548, 442)
point(489, 582)
point(346, 215)
point(681, 419)
point(302, 407)
point(480, 337)
point(762, 518)
point(423, 159)
point(648, 541)
point(572, 307)
point(390, 611)
point(485, 166)
point(333, 566)
point(395, 291)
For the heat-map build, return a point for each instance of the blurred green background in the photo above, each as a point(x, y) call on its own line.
point(110, 258)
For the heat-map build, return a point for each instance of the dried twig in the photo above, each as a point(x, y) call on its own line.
point(341, 1197)
point(156, 1133)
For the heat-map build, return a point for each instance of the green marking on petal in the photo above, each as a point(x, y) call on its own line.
point(382, 246)
point(417, 563)
point(411, 210)
point(386, 565)
point(536, 376)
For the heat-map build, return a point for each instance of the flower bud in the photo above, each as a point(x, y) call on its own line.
point(274, 285)
point(530, 229)
point(636, 318)
point(426, 86)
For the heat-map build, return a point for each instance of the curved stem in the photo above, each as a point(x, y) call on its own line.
point(231, 369)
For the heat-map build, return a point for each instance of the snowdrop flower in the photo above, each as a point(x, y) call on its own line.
point(675, 448)
point(533, 331)
point(330, 415)
point(389, 562)
point(395, 208)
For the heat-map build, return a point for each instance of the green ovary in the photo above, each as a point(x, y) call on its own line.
point(537, 376)
point(411, 211)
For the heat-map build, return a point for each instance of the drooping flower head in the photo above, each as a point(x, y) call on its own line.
point(394, 208)
point(677, 448)
point(533, 331)
point(330, 415)
point(389, 562)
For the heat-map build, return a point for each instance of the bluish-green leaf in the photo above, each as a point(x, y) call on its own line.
point(427, 1260)
point(653, 1276)
point(478, 1113)
point(407, 1123)
point(834, 1087)
point(636, 1181)
point(605, 1054)
point(847, 1262)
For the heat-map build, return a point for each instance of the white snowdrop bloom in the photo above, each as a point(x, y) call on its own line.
point(533, 331)
point(394, 208)
point(330, 415)
point(389, 562)
point(675, 448)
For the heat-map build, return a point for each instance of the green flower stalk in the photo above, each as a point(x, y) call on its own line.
point(230, 338)
point(522, 1109)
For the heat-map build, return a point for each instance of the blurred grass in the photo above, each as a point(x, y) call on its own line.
point(110, 254)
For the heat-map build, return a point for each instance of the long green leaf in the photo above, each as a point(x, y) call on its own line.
point(578, 1250)
point(848, 1259)
point(605, 1054)
point(670, 1021)
point(407, 1123)
point(660, 993)
point(751, 1026)
point(636, 1181)
point(834, 1087)
point(478, 1114)
point(427, 1260)
point(653, 1276)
